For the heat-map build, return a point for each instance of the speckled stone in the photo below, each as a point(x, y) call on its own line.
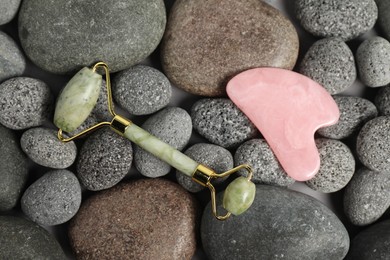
point(354, 113)
point(9, 8)
point(24, 103)
point(121, 33)
point(331, 63)
point(53, 199)
point(266, 168)
point(206, 42)
point(145, 219)
point(213, 156)
point(43, 147)
point(382, 101)
point(337, 166)
point(346, 19)
point(105, 158)
point(384, 17)
point(280, 224)
point(221, 122)
point(142, 90)
point(23, 239)
point(367, 196)
point(13, 171)
point(373, 144)
point(172, 125)
point(12, 62)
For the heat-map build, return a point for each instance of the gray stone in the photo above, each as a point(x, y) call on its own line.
point(172, 125)
point(330, 62)
point(213, 156)
point(337, 166)
point(53, 199)
point(13, 170)
point(105, 158)
point(354, 113)
point(24, 103)
point(373, 62)
point(8, 10)
point(23, 239)
point(44, 148)
point(12, 61)
point(121, 33)
point(142, 90)
point(266, 168)
point(346, 19)
point(382, 101)
point(221, 122)
point(367, 196)
point(384, 17)
point(280, 224)
point(373, 144)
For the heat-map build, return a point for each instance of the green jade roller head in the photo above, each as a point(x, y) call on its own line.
point(79, 97)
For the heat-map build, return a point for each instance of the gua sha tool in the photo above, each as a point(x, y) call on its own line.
point(79, 97)
point(287, 108)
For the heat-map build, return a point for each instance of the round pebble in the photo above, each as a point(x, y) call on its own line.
point(24, 103)
point(373, 144)
point(266, 168)
point(384, 17)
point(53, 199)
point(172, 125)
point(330, 62)
point(142, 90)
point(213, 156)
point(382, 101)
point(12, 62)
point(346, 19)
point(354, 113)
point(44, 148)
point(14, 170)
point(207, 42)
point(105, 159)
point(337, 166)
point(9, 8)
point(121, 33)
point(221, 122)
point(145, 219)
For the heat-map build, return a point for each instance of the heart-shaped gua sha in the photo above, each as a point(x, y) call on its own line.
point(287, 108)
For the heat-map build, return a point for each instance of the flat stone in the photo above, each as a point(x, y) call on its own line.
point(280, 224)
point(144, 219)
point(24, 103)
point(331, 63)
point(206, 42)
point(121, 33)
point(382, 101)
point(12, 62)
point(345, 19)
point(23, 239)
point(354, 113)
point(384, 17)
point(367, 196)
point(9, 8)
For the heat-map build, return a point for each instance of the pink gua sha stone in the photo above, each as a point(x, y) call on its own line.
point(287, 108)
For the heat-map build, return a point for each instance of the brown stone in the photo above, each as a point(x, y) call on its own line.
point(144, 219)
point(207, 42)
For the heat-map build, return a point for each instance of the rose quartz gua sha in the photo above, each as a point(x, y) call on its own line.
point(287, 108)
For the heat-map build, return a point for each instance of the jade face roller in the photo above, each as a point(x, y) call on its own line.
point(79, 97)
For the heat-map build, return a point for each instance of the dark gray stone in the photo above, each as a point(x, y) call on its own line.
point(346, 19)
point(367, 196)
point(24, 103)
point(44, 148)
point(8, 10)
point(53, 199)
point(354, 113)
point(23, 239)
point(105, 159)
point(142, 90)
point(382, 101)
point(172, 125)
point(121, 33)
point(330, 62)
point(221, 122)
point(13, 170)
point(266, 168)
point(384, 17)
point(280, 224)
point(12, 61)
point(213, 156)
point(337, 166)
